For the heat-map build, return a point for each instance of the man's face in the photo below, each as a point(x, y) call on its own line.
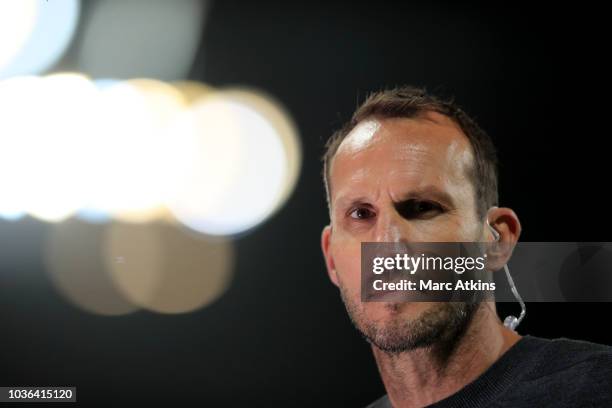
point(399, 180)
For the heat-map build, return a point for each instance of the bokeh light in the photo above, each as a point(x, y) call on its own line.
point(17, 20)
point(166, 269)
point(241, 168)
point(149, 38)
point(131, 158)
point(74, 258)
point(55, 170)
point(218, 161)
point(17, 96)
point(273, 111)
point(141, 177)
point(34, 34)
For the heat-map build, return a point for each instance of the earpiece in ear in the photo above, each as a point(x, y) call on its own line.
point(494, 232)
point(510, 322)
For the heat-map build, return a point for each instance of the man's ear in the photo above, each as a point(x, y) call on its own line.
point(508, 226)
point(329, 260)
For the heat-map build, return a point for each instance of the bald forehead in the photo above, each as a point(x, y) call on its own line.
point(431, 140)
point(430, 127)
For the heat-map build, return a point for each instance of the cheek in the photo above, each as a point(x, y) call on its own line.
point(458, 229)
point(469, 232)
point(347, 259)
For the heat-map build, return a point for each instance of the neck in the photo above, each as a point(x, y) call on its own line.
point(426, 375)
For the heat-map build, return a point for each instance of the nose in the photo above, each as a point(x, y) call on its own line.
point(391, 227)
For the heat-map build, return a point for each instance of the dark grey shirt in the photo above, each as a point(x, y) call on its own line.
point(537, 372)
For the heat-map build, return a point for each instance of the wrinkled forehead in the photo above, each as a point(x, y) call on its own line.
point(430, 150)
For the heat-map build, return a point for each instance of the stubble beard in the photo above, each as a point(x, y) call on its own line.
point(440, 327)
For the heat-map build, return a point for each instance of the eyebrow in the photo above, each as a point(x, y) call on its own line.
point(427, 192)
point(347, 201)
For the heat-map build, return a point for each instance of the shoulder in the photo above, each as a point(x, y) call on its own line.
point(573, 369)
point(563, 353)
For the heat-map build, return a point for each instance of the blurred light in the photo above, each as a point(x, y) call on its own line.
point(130, 158)
point(12, 215)
point(16, 98)
point(103, 83)
point(75, 261)
point(56, 135)
point(193, 91)
point(280, 119)
point(166, 269)
point(140, 38)
point(210, 136)
point(41, 137)
point(17, 19)
point(89, 212)
point(93, 215)
point(34, 34)
point(219, 162)
point(241, 166)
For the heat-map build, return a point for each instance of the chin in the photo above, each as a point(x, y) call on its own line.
point(382, 311)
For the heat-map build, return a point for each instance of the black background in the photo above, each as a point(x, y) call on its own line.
point(533, 78)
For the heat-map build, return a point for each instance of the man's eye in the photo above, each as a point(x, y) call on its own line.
point(361, 213)
point(410, 209)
